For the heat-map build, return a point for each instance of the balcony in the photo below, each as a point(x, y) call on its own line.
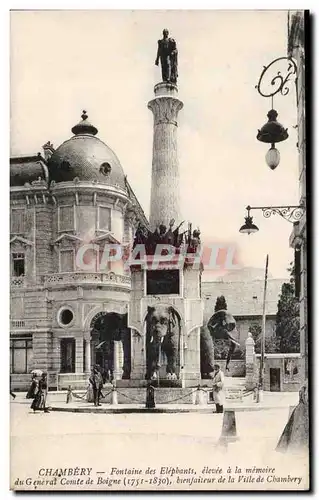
point(17, 323)
point(83, 278)
point(17, 281)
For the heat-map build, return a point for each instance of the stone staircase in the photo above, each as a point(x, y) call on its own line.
point(235, 387)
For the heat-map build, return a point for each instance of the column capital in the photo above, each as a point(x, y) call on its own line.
point(165, 109)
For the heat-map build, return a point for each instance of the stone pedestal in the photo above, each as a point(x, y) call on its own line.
point(114, 400)
point(188, 305)
point(165, 202)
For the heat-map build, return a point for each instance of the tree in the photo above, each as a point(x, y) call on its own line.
point(287, 318)
point(221, 346)
point(272, 344)
point(220, 304)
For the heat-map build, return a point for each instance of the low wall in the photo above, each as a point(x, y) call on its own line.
point(237, 368)
point(164, 395)
point(20, 382)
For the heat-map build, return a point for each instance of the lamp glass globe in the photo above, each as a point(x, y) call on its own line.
point(272, 157)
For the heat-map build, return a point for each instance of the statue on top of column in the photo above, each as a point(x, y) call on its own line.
point(167, 53)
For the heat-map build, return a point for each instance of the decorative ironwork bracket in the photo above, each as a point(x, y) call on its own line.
point(291, 213)
point(279, 82)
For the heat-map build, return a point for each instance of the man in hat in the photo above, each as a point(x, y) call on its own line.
point(218, 389)
point(96, 382)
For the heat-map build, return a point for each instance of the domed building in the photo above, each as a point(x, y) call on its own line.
point(68, 296)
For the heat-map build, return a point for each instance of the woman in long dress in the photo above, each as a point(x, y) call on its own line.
point(35, 405)
point(39, 402)
point(33, 386)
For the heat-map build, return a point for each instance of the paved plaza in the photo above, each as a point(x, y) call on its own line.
point(107, 441)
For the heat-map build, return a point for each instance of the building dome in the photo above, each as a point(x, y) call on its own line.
point(86, 157)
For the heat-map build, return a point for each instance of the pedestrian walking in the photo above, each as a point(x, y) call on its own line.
point(35, 405)
point(96, 382)
point(218, 389)
point(39, 401)
point(33, 386)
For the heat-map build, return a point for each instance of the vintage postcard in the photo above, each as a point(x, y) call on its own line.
point(158, 250)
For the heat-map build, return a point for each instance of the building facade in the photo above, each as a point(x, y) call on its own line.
point(69, 307)
point(298, 239)
point(68, 205)
point(244, 297)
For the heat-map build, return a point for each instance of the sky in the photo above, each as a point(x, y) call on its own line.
point(103, 61)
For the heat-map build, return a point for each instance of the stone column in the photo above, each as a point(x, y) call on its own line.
point(118, 360)
point(138, 356)
point(165, 198)
point(191, 359)
point(250, 362)
point(79, 355)
point(87, 355)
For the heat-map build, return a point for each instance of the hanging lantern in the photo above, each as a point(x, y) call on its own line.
point(271, 133)
point(249, 227)
point(272, 157)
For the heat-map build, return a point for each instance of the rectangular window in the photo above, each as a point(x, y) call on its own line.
point(68, 355)
point(21, 355)
point(17, 221)
point(66, 218)
point(104, 219)
point(18, 264)
point(162, 282)
point(86, 219)
point(66, 261)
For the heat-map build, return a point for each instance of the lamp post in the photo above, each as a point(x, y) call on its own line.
point(263, 334)
point(291, 213)
point(272, 131)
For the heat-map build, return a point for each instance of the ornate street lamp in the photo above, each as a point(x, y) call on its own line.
point(249, 227)
point(291, 213)
point(273, 132)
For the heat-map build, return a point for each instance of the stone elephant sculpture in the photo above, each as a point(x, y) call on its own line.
point(222, 325)
point(163, 328)
point(206, 353)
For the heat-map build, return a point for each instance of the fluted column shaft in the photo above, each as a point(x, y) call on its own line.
point(87, 356)
point(165, 196)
